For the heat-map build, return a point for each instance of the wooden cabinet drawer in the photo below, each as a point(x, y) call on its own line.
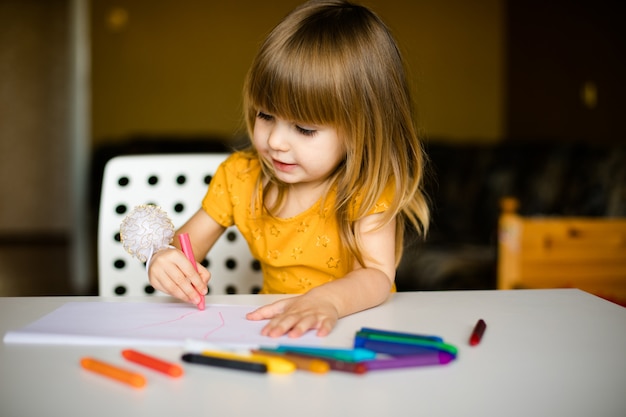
point(589, 254)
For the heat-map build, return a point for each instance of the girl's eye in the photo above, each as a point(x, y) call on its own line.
point(305, 132)
point(264, 116)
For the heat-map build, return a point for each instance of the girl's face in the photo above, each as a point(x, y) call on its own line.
point(299, 153)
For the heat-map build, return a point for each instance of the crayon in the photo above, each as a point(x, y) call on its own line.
point(348, 355)
point(338, 365)
point(195, 358)
point(369, 330)
point(390, 348)
point(151, 362)
point(477, 333)
point(275, 365)
point(414, 342)
point(315, 365)
point(185, 245)
point(122, 375)
point(409, 361)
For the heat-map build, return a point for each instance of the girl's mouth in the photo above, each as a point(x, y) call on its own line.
point(281, 166)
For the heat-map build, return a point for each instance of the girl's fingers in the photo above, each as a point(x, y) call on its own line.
point(178, 277)
point(280, 326)
point(198, 279)
point(293, 318)
point(184, 285)
point(266, 312)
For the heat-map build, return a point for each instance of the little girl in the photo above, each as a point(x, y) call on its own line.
point(332, 176)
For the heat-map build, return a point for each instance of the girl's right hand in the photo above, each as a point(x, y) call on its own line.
point(171, 272)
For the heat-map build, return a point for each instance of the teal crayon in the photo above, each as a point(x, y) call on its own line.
point(347, 355)
point(369, 330)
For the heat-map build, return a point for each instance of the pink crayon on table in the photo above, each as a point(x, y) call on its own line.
point(185, 245)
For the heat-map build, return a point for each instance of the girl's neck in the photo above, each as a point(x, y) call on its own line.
point(298, 198)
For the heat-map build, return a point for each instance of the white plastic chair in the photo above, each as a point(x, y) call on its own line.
point(176, 183)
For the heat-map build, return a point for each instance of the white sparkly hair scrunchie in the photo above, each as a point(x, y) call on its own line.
point(146, 230)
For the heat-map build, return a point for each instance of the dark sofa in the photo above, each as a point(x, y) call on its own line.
point(465, 183)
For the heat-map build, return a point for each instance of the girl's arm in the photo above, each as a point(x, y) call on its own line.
point(171, 272)
point(360, 289)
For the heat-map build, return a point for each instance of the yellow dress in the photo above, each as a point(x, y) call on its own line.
point(296, 253)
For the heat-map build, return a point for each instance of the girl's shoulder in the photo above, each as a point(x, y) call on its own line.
point(381, 203)
point(241, 162)
point(242, 157)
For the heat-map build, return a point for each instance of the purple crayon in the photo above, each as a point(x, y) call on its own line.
point(409, 361)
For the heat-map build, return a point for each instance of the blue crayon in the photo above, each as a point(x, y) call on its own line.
point(390, 348)
point(416, 342)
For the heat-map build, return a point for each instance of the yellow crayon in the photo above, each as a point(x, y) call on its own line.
point(307, 364)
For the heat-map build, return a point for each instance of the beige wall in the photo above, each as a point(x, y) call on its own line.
point(34, 127)
point(165, 67)
point(176, 67)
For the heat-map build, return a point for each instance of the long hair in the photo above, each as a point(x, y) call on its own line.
point(336, 63)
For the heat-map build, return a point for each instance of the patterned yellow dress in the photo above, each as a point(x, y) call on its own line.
point(296, 253)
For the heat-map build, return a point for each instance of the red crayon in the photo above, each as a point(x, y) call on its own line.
point(159, 365)
point(478, 332)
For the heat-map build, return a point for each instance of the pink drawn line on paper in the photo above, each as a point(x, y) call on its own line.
point(207, 334)
point(167, 322)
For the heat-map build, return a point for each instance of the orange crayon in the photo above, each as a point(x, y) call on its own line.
point(131, 378)
point(151, 362)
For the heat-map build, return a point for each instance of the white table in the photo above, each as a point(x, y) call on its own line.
point(545, 353)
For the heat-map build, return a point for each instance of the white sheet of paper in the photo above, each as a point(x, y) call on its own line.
point(102, 323)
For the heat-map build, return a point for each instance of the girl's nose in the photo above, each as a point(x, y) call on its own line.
point(277, 139)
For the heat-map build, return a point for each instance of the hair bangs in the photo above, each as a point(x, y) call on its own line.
point(296, 88)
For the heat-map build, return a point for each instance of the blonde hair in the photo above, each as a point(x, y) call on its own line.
point(336, 63)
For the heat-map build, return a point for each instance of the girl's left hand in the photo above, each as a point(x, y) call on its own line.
point(297, 315)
